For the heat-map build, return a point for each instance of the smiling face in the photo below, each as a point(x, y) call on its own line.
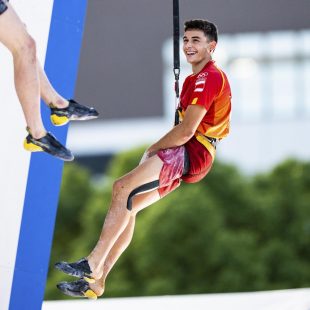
point(197, 47)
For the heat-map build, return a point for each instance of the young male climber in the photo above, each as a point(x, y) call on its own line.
point(31, 83)
point(185, 153)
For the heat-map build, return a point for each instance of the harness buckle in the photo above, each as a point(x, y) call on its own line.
point(213, 141)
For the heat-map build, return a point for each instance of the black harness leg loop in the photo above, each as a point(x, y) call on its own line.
point(141, 189)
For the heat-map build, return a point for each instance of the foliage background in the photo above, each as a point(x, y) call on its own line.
point(227, 233)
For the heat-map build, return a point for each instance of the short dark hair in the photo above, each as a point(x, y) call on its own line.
point(208, 28)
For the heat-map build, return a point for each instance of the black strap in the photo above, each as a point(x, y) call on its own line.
point(141, 189)
point(176, 54)
point(176, 36)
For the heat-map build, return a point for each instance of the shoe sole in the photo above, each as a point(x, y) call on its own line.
point(63, 120)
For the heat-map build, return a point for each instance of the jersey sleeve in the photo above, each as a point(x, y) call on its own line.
point(207, 87)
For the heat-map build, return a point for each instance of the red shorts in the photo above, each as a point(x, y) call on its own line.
point(200, 163)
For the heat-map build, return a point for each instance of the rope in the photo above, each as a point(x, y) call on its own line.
point(176, 56)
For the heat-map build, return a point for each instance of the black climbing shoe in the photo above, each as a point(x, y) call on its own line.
point(79, 288)
point(74, 112)
point(79, 269)
point(48, 144)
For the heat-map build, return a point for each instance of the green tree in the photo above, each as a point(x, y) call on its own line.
point(284, 198)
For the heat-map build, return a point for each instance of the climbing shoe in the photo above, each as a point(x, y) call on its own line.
point(48, 144)
point(79, 269)
point(79, 288)
point(73, 112)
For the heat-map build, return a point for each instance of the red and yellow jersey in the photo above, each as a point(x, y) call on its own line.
point(209, 88)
